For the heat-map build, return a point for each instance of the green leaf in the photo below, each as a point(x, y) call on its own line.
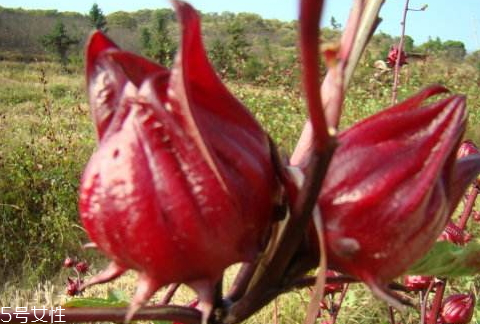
point(115, 298)
point(446, 259)
point(94, 302)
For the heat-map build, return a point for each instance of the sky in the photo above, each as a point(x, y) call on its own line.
point(447, 19)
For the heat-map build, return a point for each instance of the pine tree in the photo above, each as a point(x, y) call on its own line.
point(97, 18)
point(59, 42)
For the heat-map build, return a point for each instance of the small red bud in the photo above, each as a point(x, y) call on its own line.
point(82, 267)
point(331, 288)
point(417, 283)
point(68, 262)
point(73, 286)
point(392, 57)
point(476, 215)
point(458, 308)
point(467, 237)
point(467, 148)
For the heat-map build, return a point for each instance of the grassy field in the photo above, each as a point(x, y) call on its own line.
point(47, 138)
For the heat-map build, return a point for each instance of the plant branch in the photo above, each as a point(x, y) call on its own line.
point(399, 55)
point(467, 211)
point(437, 301)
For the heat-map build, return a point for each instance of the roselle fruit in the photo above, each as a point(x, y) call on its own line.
point(392, 184)
point(332, 288)
point(392, 57)
point(458, 308)
point(182, 184)
point(417, 283)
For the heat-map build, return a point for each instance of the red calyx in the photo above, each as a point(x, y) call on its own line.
point(68, 262)
point(392, 57)
point(182, 184)
point(332, 288)
point(392, 184)
point(82, 267)
point(458, 308)
point(417, 283)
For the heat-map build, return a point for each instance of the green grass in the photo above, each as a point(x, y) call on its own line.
point(48, 138)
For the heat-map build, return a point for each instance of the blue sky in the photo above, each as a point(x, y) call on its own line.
point(447, 19)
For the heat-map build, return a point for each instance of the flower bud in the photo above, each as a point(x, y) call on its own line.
point(476, 215)
point(182, 184)
point(458, 309)
point(392, 57)
point(82, 267)
point(466, 148)
point(392, 184)
point(68, 262)
point(417, 283)
point(332, 288)
point(73, 286)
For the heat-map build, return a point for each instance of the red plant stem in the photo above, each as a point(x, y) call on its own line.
point(467, 211)
point(437, 301)
point(424, 302)
point(272, 277)
point(310, 11)
point(107, 314)
point(275, 311)
point(172, 288)
point(340, 302)
point(391, 315)
point(423, 306)
point(399, 55)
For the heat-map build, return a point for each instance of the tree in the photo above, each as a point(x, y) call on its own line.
point(432, 45)
point(238, 45)
point(156, 42)
point(335, 24)
point(408, 44)
point(97, 18)
point(219, 55)
point(454, 50)
point(59, 42)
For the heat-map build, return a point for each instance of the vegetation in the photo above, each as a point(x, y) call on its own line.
point(49, 136)
point(97, 18)
point(156, 40)
point(59, 42)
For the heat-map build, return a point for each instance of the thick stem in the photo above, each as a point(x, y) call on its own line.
point(270, 278)
point(399, 55)
point(467, 211)
point(310, 11)
point(437, 301)
point(104, 314)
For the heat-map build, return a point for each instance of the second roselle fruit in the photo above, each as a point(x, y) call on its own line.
point(182, 184)
point(417, 283)
point(391, 187)
point(458, 309)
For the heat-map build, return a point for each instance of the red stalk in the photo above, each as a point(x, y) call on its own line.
point(467, 211)
point(309, 34)
point(400, 49)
